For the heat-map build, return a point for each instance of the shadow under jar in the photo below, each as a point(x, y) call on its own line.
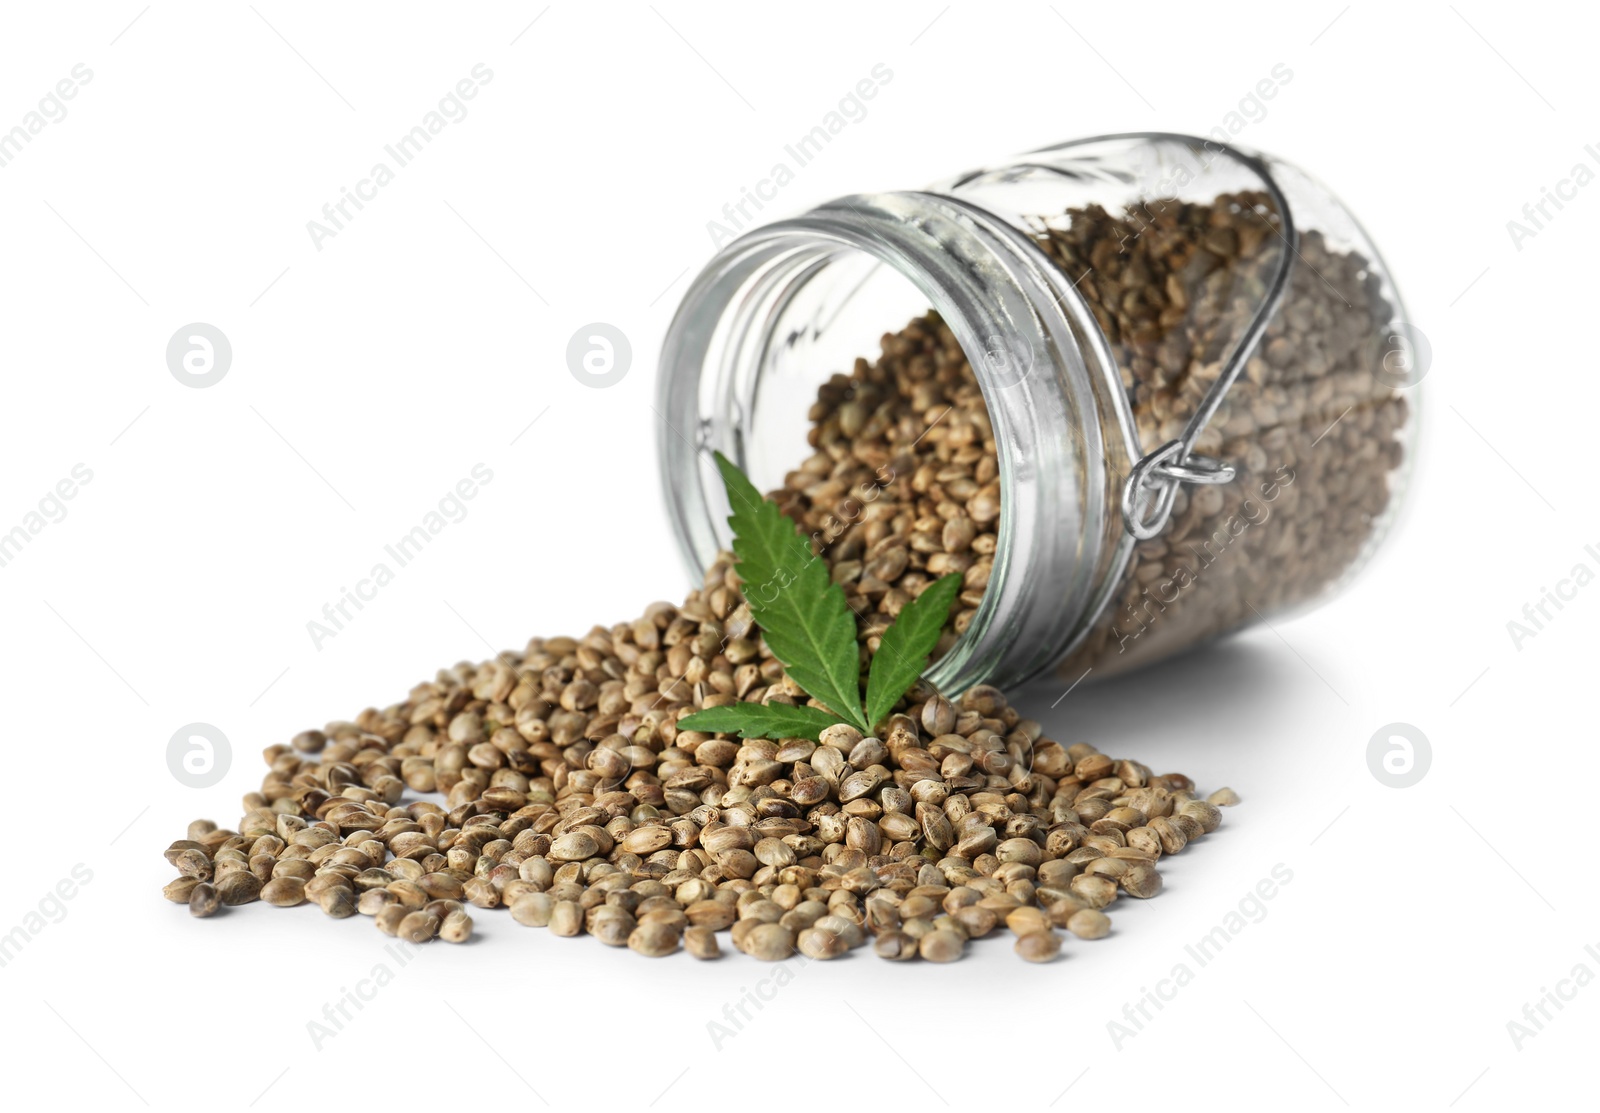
point(1194, 364)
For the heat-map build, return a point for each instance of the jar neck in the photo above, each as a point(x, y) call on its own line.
point(1063, 433)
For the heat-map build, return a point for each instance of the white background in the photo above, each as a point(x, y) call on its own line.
point(368, 377)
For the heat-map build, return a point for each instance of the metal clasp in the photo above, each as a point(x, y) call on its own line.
point(1162, 471)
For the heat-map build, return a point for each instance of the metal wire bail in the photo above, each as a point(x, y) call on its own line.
point(1176, 462)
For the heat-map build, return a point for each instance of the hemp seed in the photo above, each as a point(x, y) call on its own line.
point(203, 900)
point(1089, 923)
point(1038, 946)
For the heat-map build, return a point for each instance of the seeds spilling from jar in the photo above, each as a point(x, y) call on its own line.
point(571, 798)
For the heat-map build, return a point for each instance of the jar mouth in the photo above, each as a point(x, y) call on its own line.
point(1045, 371)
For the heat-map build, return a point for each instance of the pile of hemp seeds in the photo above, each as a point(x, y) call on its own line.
point(554, 782)
point(570, 798)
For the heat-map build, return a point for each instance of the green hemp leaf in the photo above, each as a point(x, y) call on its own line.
point(810, 629)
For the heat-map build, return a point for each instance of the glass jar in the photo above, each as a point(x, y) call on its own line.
point(1194, 365)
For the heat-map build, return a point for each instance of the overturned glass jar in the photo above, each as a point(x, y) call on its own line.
point(1194, 363)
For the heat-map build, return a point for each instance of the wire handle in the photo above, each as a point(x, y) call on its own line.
point(1174, 463)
